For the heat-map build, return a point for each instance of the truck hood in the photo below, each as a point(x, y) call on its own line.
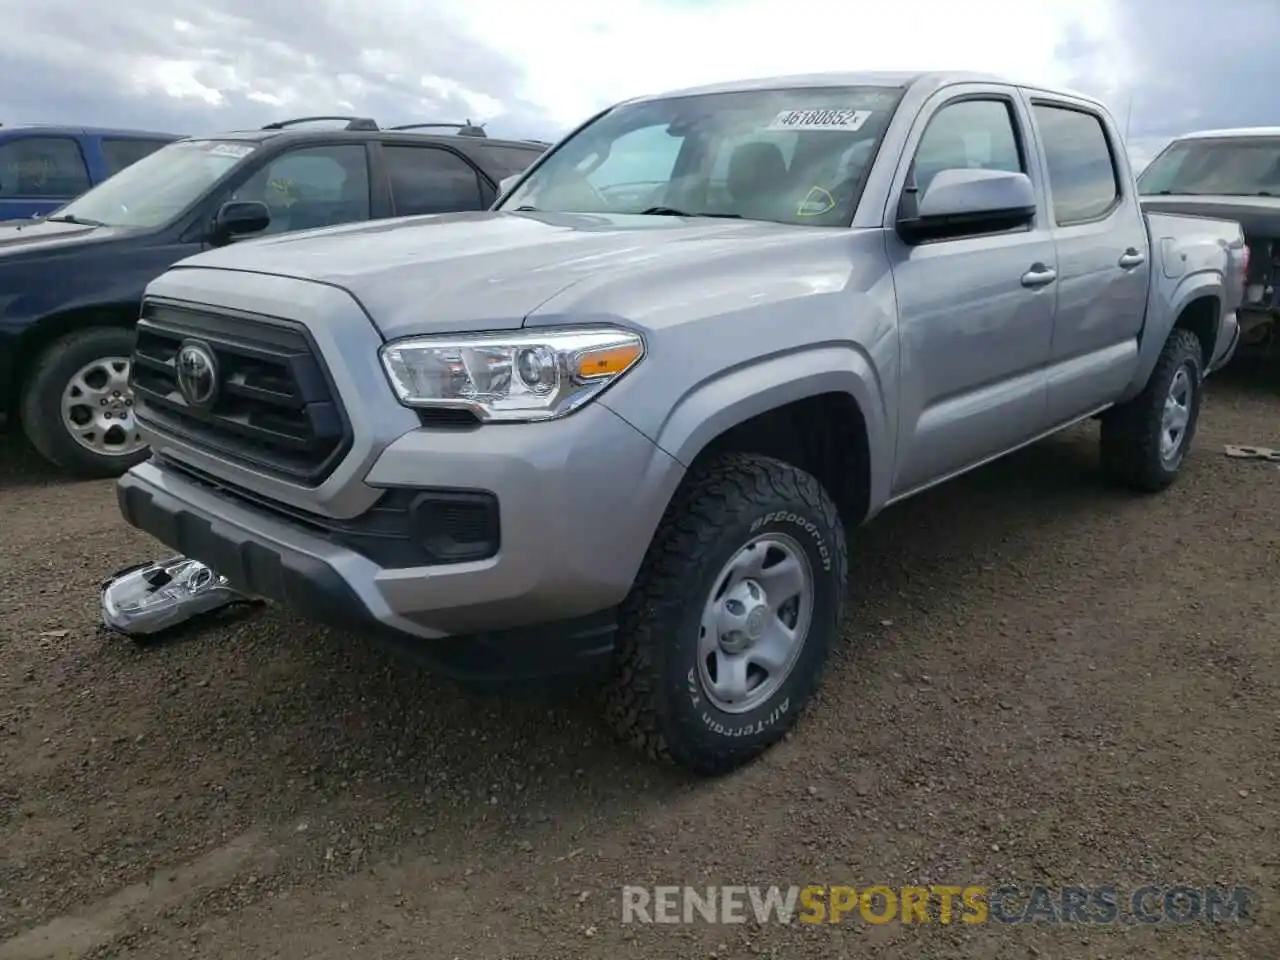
point(42, 236)
point(482, 270)
point(1257, 216)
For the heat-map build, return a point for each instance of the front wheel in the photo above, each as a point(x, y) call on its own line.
point(78, 407)
point(726, 633)
point(1145, 440)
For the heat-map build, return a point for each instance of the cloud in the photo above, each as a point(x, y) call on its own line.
point(199, 66)
point(593, 54)
point(1182, 65)
point(191, 66)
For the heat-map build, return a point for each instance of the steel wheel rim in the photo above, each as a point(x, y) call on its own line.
point(1176, 415)
point(98, 408)
point(755, 623)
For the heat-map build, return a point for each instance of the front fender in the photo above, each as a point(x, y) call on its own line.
point(735, 395)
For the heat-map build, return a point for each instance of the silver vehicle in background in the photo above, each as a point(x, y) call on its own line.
point(1233, 175)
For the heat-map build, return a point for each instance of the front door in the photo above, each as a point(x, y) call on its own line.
point(320, 185)
point(976, 312)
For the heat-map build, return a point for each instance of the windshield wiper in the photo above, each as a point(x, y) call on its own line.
point(525, 208)
point(673, 212)
point(72, 218)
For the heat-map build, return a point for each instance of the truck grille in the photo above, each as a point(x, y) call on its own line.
point(273, 406)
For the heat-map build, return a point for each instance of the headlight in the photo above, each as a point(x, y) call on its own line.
point(526, 375)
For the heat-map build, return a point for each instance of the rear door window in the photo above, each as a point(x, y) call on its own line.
point(1082, 170)
point(42, 167)
point(428, 180)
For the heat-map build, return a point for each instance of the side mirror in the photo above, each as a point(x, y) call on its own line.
point(963, 201)
point(506, 183)
point(238, 218)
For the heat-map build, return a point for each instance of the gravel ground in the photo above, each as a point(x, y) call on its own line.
point(1044, 682)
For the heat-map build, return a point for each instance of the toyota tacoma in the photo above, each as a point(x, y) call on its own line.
point(628, 418)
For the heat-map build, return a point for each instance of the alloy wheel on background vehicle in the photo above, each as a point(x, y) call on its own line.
point(98, 408)
point(1176, 416)
point(755, 623)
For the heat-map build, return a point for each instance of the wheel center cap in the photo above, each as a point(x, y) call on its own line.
point(755, 624)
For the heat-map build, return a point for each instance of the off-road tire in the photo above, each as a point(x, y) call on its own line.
point(41, 403)
point(1130, 435)
point(654, 699)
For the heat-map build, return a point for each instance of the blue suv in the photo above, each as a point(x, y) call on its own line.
point(71, 282)
point(43, 167)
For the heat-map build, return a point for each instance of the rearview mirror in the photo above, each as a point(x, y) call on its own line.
point(238, 218)
point(963, 201)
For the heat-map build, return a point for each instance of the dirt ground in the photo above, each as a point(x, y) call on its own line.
point(1045, 682)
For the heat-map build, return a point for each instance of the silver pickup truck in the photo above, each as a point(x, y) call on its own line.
point(627, 418)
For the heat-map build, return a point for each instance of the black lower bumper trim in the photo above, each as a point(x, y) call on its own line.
point(313, 588)
point(562, 649)
point(295, 580)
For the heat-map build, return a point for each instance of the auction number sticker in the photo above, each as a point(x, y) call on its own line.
point(230, 150)
point(823, 118)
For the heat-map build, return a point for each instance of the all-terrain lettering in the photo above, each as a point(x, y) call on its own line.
point(804, 523)
point(747, 729)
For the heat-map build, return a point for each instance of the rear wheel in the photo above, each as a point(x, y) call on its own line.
point(1146, 440)
point(727, 631)
point(78, 409)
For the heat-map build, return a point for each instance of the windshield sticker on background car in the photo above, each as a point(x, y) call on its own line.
point(824, 118)
point(230, 150)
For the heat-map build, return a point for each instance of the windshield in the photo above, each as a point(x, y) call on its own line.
point(160, 186)
point(794, 156)
point(1225, 167)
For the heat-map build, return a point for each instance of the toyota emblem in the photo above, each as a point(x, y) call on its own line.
point(197, 374)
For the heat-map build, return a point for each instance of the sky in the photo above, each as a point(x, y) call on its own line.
point(538, 69)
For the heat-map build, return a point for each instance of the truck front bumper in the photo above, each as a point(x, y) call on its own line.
point(577, 503)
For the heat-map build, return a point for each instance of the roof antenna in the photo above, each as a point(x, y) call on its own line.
point(1128, 117)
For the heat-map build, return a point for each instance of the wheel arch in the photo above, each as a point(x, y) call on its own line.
point(1196, 305)
point(37, 338)
point(820, 409)
point(1200, 316)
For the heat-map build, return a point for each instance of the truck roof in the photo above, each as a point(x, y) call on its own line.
point(927, 79)
point(1231, 132)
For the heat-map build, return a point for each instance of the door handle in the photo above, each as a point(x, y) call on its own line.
point(1038, 276)
point(1131, 258)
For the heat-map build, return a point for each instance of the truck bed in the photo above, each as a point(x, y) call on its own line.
point(1259, 217)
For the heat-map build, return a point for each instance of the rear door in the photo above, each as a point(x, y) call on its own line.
point(39, 173)
point(1103, 256)
point(427, 179)
point(976, 311)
